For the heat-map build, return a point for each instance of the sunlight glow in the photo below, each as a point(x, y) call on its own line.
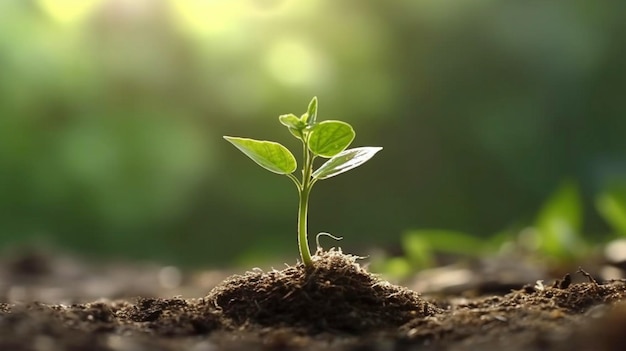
point(208, 17)
point(69, 11)
point(292, 62)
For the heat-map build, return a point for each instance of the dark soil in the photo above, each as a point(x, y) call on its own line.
point(337, 305)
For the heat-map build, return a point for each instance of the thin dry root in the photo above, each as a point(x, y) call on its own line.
point(317, 239)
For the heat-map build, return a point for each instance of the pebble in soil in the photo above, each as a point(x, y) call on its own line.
point(335, 295)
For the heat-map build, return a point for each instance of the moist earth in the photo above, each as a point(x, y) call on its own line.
point(337, 305)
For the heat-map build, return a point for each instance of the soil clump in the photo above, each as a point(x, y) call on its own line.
point(336, 295)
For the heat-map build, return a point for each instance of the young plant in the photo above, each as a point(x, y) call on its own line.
point(326, 139)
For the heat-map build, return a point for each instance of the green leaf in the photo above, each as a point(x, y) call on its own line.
point(296, 132)
point(304, 118)
point(329, 138)
point(311, 113)
point(559, 222)
point(395, 267)
point(445, 241)
point(612, 207)
point(270, 155)
point(419, 253)
point(345, 161)
point(291, 121)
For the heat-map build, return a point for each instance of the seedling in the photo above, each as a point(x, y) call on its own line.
point(326, 139)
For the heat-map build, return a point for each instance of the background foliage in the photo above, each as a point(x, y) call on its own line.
point(112, 112)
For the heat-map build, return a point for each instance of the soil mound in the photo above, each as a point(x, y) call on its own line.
point(337, 295)
point(337, 305)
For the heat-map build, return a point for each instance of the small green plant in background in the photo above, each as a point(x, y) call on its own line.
point(558, 228)
point(422, 246)
point(556, 235)
point(327, 139)
point(611, 204)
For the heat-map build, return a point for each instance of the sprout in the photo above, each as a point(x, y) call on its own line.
point(326, 139)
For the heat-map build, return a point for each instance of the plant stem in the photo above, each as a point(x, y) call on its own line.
point(303, 205)
point(303, 241)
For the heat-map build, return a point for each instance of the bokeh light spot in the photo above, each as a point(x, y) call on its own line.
point(292, 62)
point(208, 17)
point(69, 11)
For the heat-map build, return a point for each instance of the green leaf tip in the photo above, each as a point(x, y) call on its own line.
point(311, 112)
point(291, 121)
point(268, 154)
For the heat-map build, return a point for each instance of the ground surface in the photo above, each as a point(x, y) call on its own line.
point(338, 306)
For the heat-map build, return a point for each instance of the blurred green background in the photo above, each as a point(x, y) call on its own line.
point(112, 114)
